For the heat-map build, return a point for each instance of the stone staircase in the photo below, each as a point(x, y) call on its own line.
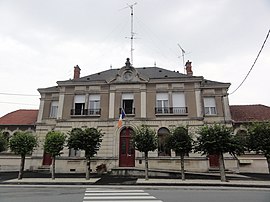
point(43, 169)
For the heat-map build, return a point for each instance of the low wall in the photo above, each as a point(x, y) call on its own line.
point(246, 163)
point(12, 162)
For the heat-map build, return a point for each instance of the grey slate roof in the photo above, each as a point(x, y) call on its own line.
point(150, 72)
point(49, 89)
point(212, 83)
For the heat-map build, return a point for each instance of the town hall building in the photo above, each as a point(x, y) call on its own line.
point(154, 96)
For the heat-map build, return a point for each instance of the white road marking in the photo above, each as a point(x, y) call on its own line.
point(113, 195)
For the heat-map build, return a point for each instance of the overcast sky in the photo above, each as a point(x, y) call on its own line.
point(41, 42)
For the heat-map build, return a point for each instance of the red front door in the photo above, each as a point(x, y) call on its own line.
point(126, 150)
point(213, 161)
point(47, 160)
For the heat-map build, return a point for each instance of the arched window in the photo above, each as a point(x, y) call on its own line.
point(162, 135)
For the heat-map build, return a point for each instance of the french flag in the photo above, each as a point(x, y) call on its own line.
point(121, 117)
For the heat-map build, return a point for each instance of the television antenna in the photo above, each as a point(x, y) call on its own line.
point(132, 33)
point(183, 56)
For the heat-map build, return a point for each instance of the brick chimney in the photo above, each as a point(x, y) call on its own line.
point(77, 72)
point(189, 68)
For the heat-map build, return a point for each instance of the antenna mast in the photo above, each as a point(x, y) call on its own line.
point(183, 56)
point(131, 31)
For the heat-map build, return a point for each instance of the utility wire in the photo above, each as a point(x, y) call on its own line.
point(253, 64)
point(17, 94)
point(16, 103)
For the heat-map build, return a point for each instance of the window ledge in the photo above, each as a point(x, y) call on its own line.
point(85, 116)
point(160, 114)
point(130, 115)
point(210, 115)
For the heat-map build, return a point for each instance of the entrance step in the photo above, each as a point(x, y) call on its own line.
point(138, 172)
point(43, 169)
point(216, 170)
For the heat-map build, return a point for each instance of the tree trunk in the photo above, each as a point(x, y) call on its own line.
point(53, 167)
point(20, 176)
point(268, 162)
point(146, 165)
point(222, 168)
point(182, 162)
point(88, 168)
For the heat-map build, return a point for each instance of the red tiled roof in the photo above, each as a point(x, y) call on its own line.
point(250, 113)
point(20, 117)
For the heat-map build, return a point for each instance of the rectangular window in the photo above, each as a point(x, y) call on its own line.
point(74, 153)
point(128, 103)
point(94, 105)
point(210, 106)
point(54, 109)
point(79, 105)
point(162, 103)
point(179, 103)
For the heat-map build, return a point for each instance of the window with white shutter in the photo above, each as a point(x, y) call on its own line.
point(94, 105)
point(210, 106)
point(179, 103)
point(54, 109)
point(162, 103)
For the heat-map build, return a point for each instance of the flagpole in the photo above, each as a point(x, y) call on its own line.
point(121, 117)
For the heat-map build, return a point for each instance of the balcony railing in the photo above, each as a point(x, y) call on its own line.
point(85, 112)
point(127, 110)
point(171, 110)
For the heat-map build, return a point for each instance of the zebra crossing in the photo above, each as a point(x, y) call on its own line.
point(113, 195)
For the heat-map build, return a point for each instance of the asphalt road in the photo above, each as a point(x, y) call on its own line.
point(212, 195)
point(138, 194)
point(44, 194)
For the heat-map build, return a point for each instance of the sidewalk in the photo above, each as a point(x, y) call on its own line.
point(63, 181)
point(203, 179)
point(190, 182)
point(141, 182)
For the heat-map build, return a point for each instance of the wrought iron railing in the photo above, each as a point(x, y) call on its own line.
point(85, 112)
point(171, 110)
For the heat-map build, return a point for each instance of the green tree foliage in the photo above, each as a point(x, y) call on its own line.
point(242, 140)
point(181, 142)
point(217, 140)
point(54, 144)
point(88, 140)
point(3, 142)
point(22, 143)
point(259, 139)
point(144, 140)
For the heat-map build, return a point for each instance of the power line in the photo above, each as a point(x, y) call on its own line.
point(18, 94)
point(16, 103)
point(253, 64)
